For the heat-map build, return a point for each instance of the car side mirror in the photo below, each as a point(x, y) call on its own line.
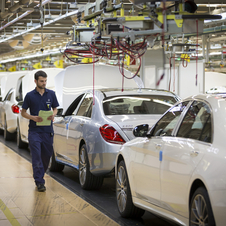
point(59, 111)
point(141, 130)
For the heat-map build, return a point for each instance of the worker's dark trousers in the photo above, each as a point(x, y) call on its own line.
point(41, 147)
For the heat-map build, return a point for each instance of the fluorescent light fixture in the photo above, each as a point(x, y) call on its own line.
point(38, 26)
point(37, 55)
point(213, 5)
point(215, 53)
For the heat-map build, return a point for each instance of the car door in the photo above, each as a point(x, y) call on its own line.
point(60, 127)
point(181, 154)
point(77, 128)
point(147, 162)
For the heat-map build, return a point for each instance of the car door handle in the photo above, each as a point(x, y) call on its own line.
point(158, 146)
point(194, 153)
point(82, 123)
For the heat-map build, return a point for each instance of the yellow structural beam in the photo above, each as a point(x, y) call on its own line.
point(179, 22)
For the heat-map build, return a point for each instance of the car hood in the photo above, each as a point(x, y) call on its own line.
point(128, 122)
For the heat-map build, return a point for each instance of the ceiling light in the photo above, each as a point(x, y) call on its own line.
point(38, 26)
point(212, 5)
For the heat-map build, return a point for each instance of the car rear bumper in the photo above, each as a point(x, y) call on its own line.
point(12, 125)
point(102, 163)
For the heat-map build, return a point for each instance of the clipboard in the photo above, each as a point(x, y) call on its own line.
point(44, 115)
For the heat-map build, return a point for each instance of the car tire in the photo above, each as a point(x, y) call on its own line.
point(87, 180)
point(54, 166)
point(200, 209)
point(20, 143)
point(123, 194)
point(7, 135)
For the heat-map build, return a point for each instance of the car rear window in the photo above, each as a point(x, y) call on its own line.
point(138, 104)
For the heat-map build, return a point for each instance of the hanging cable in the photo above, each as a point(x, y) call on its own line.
point(93, 80)
point(170, 72)
point(41, 22)
point(174, 74)
point(197, 43)
point(184, 60)
point(163, 41)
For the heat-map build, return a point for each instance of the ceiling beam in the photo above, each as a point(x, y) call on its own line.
point(13, 8)
point(2, 6)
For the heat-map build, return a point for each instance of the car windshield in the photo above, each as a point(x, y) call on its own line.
point(137, 104)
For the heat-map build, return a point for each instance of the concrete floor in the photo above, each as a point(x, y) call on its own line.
point(22, 205)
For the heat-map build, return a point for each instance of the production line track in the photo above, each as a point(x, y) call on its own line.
point(103, 199)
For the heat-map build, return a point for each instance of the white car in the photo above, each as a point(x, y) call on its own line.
point(217, 89)
point(177, 169)
point(11, 88)
point(90, 133)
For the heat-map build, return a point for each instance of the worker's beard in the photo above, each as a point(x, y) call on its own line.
point(41, 87)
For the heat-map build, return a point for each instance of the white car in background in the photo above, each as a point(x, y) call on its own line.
point(177, 170)
point(2, 74)
point(11, 91)
point(27, 85)
point(90, 133)
point(217, 89)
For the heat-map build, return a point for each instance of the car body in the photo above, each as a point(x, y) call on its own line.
point(2, 74)
point(11, 93)
point(27, 85)
point(216, 89)
point(93, 129)
point(177, 169)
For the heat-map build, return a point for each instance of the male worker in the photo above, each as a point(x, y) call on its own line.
point(40, 137)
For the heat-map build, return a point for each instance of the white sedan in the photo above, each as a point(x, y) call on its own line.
point(177, 169)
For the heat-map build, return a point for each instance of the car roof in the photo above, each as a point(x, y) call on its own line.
point(211, 98)
point(138, 91)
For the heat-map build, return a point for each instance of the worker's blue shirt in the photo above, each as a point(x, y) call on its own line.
point(35, 102)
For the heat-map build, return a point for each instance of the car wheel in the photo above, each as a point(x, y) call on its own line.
point(123, 194)
point(54, 165)
point(87, 180)
point(200, 209)
point(20, 143)
point(7, 135)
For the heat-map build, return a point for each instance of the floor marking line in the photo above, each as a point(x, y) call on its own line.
point(13, 221)
point(54, 214)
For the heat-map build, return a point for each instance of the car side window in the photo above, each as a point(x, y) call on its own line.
point(166, 124)
point(73, 106)
point(86, 106)
point(9, 96)
point(197, 123)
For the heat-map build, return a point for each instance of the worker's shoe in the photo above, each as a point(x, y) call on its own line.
point(41, 187)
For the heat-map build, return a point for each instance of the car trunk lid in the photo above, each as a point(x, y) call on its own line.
point(128, 122)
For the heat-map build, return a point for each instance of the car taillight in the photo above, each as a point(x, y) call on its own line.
point(15, 109)
point(111, 135)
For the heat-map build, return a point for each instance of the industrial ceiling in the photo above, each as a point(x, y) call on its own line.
point(20, 29)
